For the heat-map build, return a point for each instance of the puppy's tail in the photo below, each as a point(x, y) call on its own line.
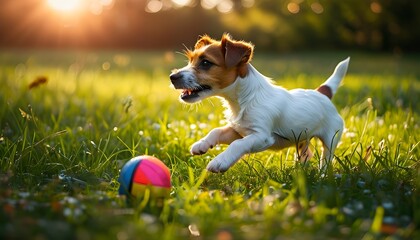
point(329, 87)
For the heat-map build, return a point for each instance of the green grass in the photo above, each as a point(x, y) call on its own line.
point(63, 143)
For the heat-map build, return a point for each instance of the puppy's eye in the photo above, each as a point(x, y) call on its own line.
point(205, 64)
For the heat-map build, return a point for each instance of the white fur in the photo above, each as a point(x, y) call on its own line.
point(339, 72)
point(264, 116)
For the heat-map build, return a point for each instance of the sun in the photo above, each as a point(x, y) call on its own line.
point(65, 5)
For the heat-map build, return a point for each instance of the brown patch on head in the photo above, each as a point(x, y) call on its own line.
point(217, 75)
point(326, 90)
point(198, 47)
point(203, 41)
point(237, 53)
point(226, 60)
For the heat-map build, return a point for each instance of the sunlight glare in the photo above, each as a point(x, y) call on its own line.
point(181, 3)
point(65, 5)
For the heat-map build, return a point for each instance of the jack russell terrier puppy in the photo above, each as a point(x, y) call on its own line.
point(260, 115)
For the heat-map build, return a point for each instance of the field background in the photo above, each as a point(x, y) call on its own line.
point(63, 143)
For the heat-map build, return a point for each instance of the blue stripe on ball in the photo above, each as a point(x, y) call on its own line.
point(126, 176)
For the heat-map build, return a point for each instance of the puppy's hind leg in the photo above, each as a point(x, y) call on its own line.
point(329, 144)
point(304, 152)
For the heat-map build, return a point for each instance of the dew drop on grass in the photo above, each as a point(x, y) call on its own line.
point(358, 206)
point(382, 184)
point(71, 200)
point(361, 184)
point(77, 212)
point(348, 211)
point(148, 218)
point(389, 220)
point(387, 205)
point(24, 194)
point(367, 191)
point(67, 212)
point(156, 126)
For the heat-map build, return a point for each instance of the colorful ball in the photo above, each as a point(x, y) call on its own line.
point(144, 173)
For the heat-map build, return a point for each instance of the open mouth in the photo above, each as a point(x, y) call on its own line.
point(193, 93)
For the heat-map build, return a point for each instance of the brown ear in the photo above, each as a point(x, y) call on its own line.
point(236, 52)
point(203, 41)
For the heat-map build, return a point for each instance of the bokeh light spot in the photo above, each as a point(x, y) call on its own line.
point(154, 6)
point(376, 7)
point(209, 4)
point(106, 66)
point(65, 5)
point(182, 3)
point(225, 6)
point(317, 8)
point(248, 3)
point(293, 7)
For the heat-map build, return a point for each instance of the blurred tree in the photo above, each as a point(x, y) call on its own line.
point(363, 24)
point(377, 25)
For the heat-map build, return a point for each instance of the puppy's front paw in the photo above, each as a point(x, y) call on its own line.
point(218, 165)
point(200, 147)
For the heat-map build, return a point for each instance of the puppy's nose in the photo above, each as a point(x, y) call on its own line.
point(175, 76)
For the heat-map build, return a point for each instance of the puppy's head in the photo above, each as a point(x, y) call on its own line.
point(213, 65)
